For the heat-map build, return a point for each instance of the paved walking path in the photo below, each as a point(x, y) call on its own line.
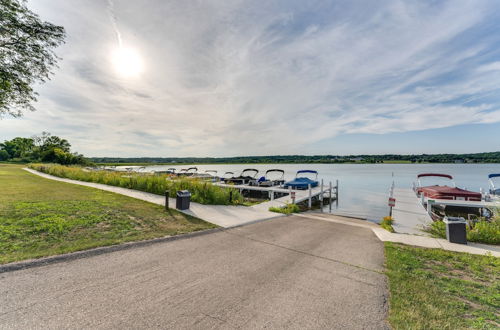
point(221, 215)
point(291, 272)
point(415, 240)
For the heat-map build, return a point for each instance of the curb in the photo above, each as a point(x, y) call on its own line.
point(10, 267)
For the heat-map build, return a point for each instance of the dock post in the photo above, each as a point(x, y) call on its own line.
point(167, 195)
point(337, 194)
point(429, 206)
point(272, 194)
point(290, 193)
point(321, 196)
point(422, 197)
point(330, 198)
point(310, 197)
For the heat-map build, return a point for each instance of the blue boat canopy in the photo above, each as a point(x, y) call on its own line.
point(493, 175)
point(307, 171)
point(301, 183)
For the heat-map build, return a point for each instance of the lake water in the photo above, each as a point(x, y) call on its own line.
point(364, 188)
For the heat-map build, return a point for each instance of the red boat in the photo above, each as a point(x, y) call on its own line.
point(446, 192)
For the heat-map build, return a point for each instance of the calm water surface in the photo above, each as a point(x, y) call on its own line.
point(364, 188)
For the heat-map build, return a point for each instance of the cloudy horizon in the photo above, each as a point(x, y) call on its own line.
point(220, 78)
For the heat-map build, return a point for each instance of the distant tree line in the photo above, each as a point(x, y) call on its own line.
point(485, 157)
point(40, 148)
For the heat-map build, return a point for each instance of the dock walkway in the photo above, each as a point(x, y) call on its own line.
point(409, 214)
point(300, 195)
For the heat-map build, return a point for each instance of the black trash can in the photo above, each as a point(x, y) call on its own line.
point(183, 200)
point(456, 231)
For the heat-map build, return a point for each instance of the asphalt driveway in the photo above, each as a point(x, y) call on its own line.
point(289, 272)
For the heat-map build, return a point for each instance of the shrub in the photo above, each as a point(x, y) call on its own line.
point(288, 209)
point(387, 224)
point(487, 232)
point(201, 191)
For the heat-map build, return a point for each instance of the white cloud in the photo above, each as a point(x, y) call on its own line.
point(249, 77)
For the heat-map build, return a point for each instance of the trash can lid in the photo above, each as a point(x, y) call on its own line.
point(453, 220)
point(183, 193)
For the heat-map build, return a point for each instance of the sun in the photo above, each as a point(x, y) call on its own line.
point(127, 62)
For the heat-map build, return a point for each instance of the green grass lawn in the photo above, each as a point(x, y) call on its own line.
point(437, 289)
point(41, 217)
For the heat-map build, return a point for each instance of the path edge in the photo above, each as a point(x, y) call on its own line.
point(31, 263)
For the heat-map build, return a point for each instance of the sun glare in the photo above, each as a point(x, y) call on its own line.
point(127, 62)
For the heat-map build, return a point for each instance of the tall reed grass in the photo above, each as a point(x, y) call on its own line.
point(201, 191)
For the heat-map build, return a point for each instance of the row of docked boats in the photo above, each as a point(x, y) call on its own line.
point(250, 177)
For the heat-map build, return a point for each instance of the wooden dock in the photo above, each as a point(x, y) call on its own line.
point(461, 203)
point(410, 216)
point(411, 212)
point(291, 196)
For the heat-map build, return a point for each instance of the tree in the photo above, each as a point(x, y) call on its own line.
point(18, 147)
point(47, 141)
point(44, 147)
point(26, 55)
point(4, 155)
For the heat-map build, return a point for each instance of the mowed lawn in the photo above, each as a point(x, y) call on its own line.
point(40, 217)
point(438, 289)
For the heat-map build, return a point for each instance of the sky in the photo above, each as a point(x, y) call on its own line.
point(229, 78)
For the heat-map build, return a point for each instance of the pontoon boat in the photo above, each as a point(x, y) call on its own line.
point(445, 192)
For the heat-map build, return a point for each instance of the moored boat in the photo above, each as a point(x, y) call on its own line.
point(245, 177)
point(208, 174)
point(268, 181)
point(303, 182)
point(191, 171)
point(170, 170)
point(493, 189)
point(226, 176)
point(444, 191)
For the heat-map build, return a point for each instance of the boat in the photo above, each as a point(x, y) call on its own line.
point(226, 176)
point(303, 182)
point(494, 190)
point(191, 171)
point(170, 170)
point(445, 191)
point(244, 178)
point(208, 174)
point(266, 181)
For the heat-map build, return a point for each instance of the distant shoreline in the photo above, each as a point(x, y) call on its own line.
point(283, 163)
point(475, 158)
